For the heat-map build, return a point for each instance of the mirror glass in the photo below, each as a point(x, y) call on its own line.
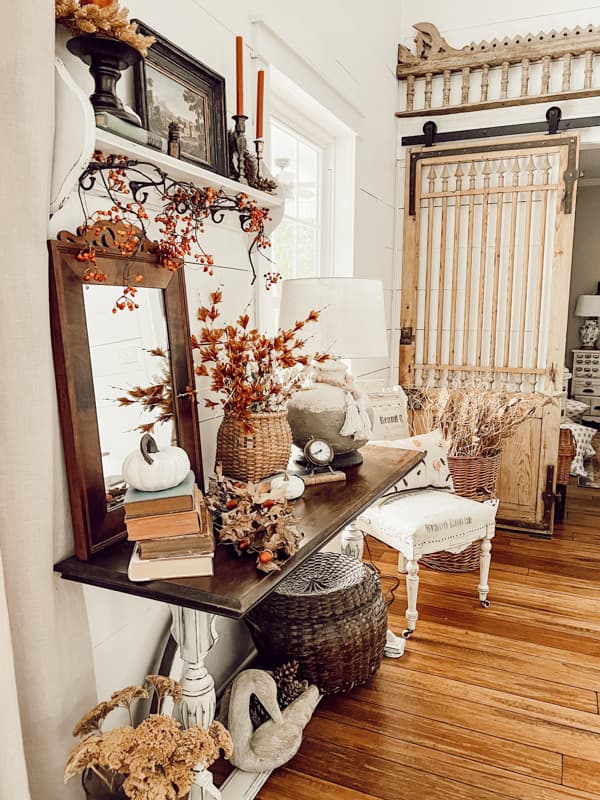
point(129, 354)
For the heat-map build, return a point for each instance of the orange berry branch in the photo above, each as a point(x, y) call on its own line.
point(248, 369)
point(184, 209)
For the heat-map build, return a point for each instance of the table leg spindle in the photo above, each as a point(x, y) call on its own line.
point(195, 633)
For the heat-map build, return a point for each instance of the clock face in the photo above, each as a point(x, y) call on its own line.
point(319, 452)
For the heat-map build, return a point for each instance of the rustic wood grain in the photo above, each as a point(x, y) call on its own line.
point(236, 586)
point(500, 703)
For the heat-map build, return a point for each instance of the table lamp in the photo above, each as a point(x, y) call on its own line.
point(588, 306)
point(351, 326)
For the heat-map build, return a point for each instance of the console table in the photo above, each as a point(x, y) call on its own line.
point(236, 587)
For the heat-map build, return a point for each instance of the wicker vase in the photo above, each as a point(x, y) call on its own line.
point(252, 456)
point(473, 477)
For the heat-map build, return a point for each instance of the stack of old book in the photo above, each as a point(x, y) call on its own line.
point(172, 531)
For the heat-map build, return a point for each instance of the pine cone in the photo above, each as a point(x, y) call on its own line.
point(288, 689)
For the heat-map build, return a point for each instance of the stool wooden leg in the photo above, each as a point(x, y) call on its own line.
point(484, 568)
point(412, 589)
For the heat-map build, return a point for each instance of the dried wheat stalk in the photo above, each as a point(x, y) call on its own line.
point(475, 421)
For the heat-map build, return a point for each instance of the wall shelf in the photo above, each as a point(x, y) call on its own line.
point(181, 170)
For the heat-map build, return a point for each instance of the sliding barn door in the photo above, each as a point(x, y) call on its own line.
point(485, 282)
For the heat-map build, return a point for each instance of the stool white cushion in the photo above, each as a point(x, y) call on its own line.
point(427, 521)
point(424, 521)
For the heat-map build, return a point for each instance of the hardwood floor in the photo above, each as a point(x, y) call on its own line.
point(485, 704)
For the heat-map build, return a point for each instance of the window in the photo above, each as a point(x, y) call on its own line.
point(298, 167)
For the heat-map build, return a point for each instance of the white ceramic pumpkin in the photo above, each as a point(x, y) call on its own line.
point(292, 486)
point(152, 470)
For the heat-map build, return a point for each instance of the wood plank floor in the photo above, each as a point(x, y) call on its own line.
point(485, 704)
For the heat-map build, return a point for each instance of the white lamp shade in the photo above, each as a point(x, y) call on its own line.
point(588, 305)
point(352, 321)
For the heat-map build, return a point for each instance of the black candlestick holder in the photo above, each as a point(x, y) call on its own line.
point(263, 179)
point(107, 58)
point(238, 147)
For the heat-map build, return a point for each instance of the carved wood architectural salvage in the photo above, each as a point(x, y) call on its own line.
point(441, 79)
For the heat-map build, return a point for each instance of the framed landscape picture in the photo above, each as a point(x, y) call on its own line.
point(171, 86)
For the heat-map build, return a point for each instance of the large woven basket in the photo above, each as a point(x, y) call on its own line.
point(331, 615)
point(566, 453)
point(252, 456)
point(473, 477)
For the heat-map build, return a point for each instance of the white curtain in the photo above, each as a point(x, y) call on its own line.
point(46, 669)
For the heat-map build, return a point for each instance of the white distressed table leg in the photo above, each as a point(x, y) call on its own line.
point(412, 590)
point(353, 541)
point(485, 560)
point(402, 562)
point(195, 633)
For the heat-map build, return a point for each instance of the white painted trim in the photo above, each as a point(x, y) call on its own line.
point(272, 47)
point(241, 785)
point(74, 115)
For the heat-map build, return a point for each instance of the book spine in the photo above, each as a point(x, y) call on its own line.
point(121, 127)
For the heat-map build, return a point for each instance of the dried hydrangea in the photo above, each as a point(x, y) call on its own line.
point(92, 721)
point(157, 758)
point(83, 755)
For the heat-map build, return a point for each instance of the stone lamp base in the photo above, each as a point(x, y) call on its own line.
point(588, 333)
point(320, 412)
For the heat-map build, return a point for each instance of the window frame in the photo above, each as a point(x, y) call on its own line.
point(313, 135)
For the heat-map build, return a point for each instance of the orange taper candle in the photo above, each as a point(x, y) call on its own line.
point(239, 74)
point(260, 98)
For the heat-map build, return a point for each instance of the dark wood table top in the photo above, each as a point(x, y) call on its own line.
point(236, 585)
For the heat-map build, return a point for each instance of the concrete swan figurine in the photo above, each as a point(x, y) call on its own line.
point(278, 739)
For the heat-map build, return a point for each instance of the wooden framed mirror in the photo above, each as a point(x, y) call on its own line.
point(100, 356)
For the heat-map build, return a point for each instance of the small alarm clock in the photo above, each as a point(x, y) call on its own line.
point(318, 452)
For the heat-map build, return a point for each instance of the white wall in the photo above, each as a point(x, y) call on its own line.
point(346, 60)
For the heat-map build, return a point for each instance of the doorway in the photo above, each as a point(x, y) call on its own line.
point(580, 407)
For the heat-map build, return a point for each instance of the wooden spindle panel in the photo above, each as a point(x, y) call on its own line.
point(516, 170)
point(497, 256)
point(504, 81)
point(566, 76)
point(442, 266)
point(526, 251)
point(524, 77)
point(428, 89)
point(485, 82)
point(484, 227)
point(485, 208)
point(588, 69)
point(466, 85)
point(446, 89)
point(546, 64)
point(410, 93)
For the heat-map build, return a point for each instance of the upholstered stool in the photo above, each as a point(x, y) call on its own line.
point(421, 522)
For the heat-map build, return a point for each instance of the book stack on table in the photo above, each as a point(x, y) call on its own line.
point(172, 531)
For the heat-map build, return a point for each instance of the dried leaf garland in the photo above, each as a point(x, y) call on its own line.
point(253, 520)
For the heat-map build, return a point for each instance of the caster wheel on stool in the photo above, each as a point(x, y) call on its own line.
point(407, 633)
point(485, 603)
